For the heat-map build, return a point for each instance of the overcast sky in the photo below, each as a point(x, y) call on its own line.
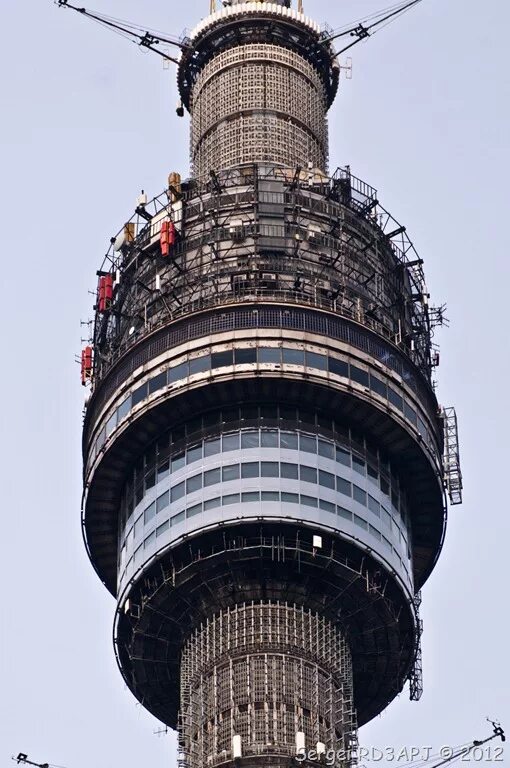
point(87, 121)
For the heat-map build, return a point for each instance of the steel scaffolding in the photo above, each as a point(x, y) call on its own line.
point(266, 672)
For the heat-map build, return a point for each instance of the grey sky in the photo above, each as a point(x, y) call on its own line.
point(87, 121)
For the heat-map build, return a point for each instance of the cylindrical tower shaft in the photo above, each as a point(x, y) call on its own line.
point(264, 482)
point(258, 87)
point(258, 679)
point(258, 103)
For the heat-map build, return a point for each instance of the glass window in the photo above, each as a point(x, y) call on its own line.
point(344, 513)
point(372, 473)
point(231, 472)
point(212, 447)
point(162, 528)
point(358, 465)
point(410, 413)
point(150, 539)
point(212, 476)
point(269, 355)
point(269, 469)
point(269, 439)
point(150, 480)
point(194, 454)
point(221, 359)
point(374, 532)
point(290, 498)
point(293, 356)
point(373, 505)
point(343, 457)
point(138, 553)
point(149, 513)
point(327, 506)
point(421, 426)
point(124, 408)
point(199, 364)
point(326, 479)
point(289, 471)
point(250, 439)
point(360, 495)
point(385, 486)
point(162, 502)
point(193, 483)
point(359, 521)
point(359, 376)
point(138, 526)
point(250, 469)
point(139, 395)
point(308, 501)
point(270, 496)
point(386, 517)
point(230, 442)
point(343, 486)
point(307, 444)
point(250, 497)
point(176, 519)
point(289, 440)
point(195, 510)
point(101, 439)
point(245, 356)
point(177, 492)
point(338, 367)
point(178, 462)
point(111, 424)
point(308, 474)
point(314, 360)
point(232, 498)
point(378, 386)
point(212, 503)
point(395, 399)
point(157, 382)
point(387, 543)
point(163, 470)
point(178, 372)
point(326, 449)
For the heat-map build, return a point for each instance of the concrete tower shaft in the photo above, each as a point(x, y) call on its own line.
point(264, 100)
point(263, 448)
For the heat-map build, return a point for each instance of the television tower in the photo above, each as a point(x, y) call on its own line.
point(266, 463)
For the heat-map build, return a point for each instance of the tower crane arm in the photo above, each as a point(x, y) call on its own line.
point(362, 31)
point(131, 31)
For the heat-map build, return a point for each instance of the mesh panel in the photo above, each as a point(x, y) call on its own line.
point(257, 103)
point(264, 672)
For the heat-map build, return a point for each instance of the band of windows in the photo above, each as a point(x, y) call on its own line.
point(263, 355)
point(249, 497)
point(255, 469)
point(161, 461)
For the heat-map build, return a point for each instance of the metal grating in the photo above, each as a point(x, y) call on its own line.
point(452, 470)
point(264, 672)
point(416, 676)
point(258, 103)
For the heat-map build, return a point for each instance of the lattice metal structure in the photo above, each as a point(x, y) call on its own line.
point(258, 103)
point(416, 676)
point(264, 454)
point(264, 672)
point(453, 472)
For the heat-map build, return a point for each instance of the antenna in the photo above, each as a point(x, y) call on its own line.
point(23, 758)
point(347, 68)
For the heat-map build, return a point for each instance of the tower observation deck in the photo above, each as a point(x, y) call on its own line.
point(264, 453)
